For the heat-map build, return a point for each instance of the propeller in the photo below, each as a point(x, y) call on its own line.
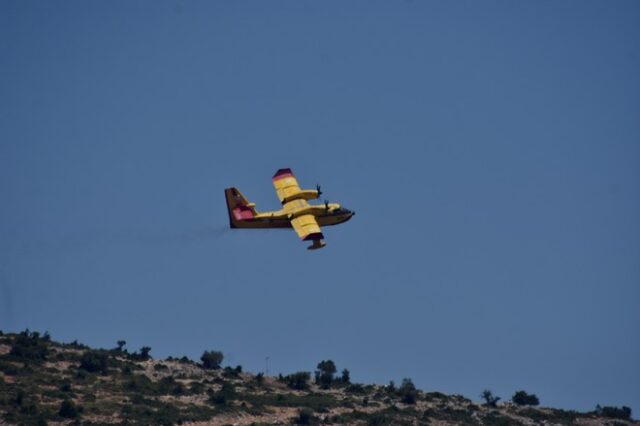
point(326, 205)
point(318, 190)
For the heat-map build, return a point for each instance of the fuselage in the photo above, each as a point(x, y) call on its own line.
point(326, 215)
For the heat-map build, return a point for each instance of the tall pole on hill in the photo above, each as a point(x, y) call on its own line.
point(266, 366)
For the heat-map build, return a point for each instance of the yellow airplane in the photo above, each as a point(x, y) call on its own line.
point(306, 219)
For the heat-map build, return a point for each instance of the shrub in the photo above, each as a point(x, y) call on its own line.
point(29, 346)
point(224, 395)
point(298, 380)
point(407, 392)
point(450, 415)
point(211, 360)
point(493, 418)
point(489, 399)
point(355, 388)
point(231, 372)
point(259, 379)
point(143, 355)
point(391, 387)
point(523, 398)
point(68, 409)
point(76, 345)
point(94, 362)
point(9, 369)
point(305, 417)
point(196, 388)
point(65, 386)
point(614, 412)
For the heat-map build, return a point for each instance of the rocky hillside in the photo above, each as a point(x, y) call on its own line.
point(43, 382)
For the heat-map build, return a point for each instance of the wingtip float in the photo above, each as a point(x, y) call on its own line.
point(306, 219)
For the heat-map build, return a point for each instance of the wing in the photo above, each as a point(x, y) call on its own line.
point(307, 227)
point(285, 183)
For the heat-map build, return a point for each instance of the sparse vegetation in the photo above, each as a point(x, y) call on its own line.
point(143, 355)
point(614, 412)
point(224, 396)
point(44, 382)
point(29, 346)
point(299, 380)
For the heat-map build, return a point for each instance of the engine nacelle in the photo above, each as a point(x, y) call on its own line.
point(306, 194)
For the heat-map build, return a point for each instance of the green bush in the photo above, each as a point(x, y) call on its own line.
point(230, 373)
point(391, 387)
point(9, 369)
point(68, 409)
point(76, 345)
point(356, 388)
point(141, 384)
point(623, 413)
point(495, 419)
point(168, 385)
point(408, 392)
point(318, 402)
point(305, 417)
point(562, 417)
point(226, 394)
point(95, 362)
point(143, 355)
point(346, 377)
point(211, 360)
point(259, 379)
point(65, 386)
point(523, 398)
point(29, 346)
point(299, 380)
point(324, 373)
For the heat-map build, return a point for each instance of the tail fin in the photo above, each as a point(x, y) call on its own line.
point(239, 207)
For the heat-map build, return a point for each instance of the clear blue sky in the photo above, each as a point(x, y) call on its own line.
point(490, 149)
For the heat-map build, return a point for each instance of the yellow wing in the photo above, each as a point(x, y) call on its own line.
point(285, 183)
point(307, 227)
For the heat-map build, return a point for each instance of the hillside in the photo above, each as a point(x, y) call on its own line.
point(45, 382)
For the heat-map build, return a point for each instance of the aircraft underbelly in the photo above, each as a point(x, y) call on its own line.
point(264, 223)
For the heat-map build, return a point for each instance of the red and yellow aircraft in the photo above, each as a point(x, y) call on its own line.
point(306, 219)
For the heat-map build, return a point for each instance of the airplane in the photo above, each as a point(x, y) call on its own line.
point(306, 219)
